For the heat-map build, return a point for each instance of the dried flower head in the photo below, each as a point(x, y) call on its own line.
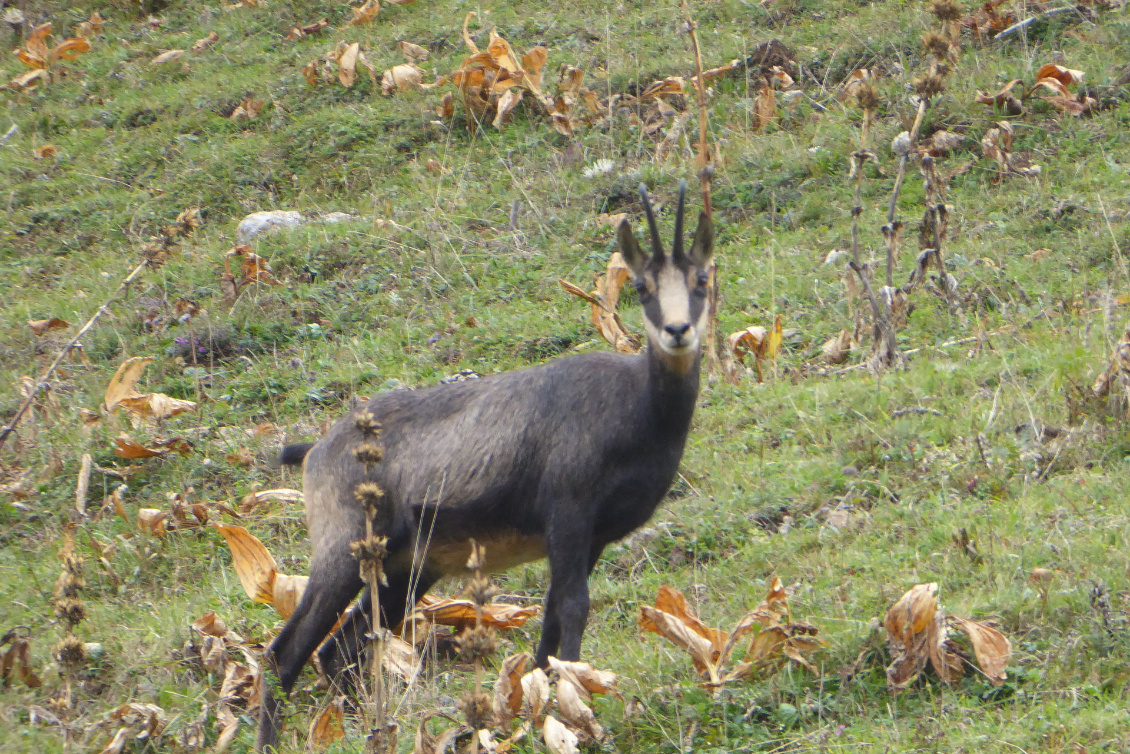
point(70, 582)
point(367, 424)
point(867, 97)
point(938, 46)
point(477, 710)
point(370, 550)
point(946, 10)
point(929, 86)
point(370, 495)
point(70, 653)
point(70, 611)
point(478, 643)
point(368, 453)
point(481, 590)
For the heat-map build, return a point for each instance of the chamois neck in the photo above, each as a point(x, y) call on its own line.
point(674, 383)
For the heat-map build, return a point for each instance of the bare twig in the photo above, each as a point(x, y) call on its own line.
point(704, 161)
point(67, 349)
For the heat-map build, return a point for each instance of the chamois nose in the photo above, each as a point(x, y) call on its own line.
point(678, 331)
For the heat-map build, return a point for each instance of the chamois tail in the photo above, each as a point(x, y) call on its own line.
point(292, 455)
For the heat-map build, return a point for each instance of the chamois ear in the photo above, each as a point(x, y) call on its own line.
point(703, 247)
point(630, 248)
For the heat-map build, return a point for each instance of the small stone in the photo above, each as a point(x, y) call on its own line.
point(849, 471)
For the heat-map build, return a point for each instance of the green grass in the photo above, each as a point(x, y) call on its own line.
point(139, 143)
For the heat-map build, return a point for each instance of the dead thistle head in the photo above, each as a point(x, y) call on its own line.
point(70, 653)
point(929, 86)
point(370, 495)
point(938, 46)
point(946, 11)
point(481, 590)
point(368, 453)
point(867, 97)
point(367, 424)
point(70, 611)
point(476, 644)
point(477, 709)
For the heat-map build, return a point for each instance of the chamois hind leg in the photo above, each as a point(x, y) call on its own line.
point(339, 656)
point(334, 582)
point(567, 601)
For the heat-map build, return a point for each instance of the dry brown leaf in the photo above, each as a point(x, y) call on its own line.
point(854, 82)
point(603, 301)
point(460, 614)
point(837, 349)
point(991, 647)
point(507, 701)
point(763, 344)
point(401, 77)
point(252, 501)
point(90, 27)
point(204, 43)
point(253, 564)
point(42, 326)
point(328, 727)
point(127, 447)
point(44, 152)
point(124, 381)
point(241, 457)
point(253, 268)
point(446, 108)
point(166, 57)
point(413, 53)
point(535, 695)
point(400, 659)
point(152, 521)
point(575, 713)
point(348, 64)
point(17, 658)
point(364, 13)
point(298, 32)
point(211, 624)
point(558, 738)
point(155, 406)
point(585, 677)
point(1065, 76)
point(764, 108)
point(286, 592)
point(916, 634)
point(116, 500)
point(248, 109)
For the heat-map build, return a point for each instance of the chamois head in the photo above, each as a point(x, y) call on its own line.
point(672, 287)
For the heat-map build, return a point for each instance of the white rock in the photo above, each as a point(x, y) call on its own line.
point(260, 222)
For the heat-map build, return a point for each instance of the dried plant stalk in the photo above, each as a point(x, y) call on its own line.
point(39, 384)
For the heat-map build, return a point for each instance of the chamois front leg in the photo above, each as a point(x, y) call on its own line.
point(334, 582)
point(567, 600)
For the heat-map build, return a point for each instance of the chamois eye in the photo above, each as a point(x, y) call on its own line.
point(703, 279)
point(641, 289)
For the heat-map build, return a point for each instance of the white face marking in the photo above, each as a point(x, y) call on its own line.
point(672, 292)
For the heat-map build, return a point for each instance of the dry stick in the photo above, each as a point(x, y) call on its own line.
point(705, 163)
point(859, 159)
point(67, 349)
point(892, 236)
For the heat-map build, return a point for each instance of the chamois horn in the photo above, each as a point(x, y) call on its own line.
point(656, 244)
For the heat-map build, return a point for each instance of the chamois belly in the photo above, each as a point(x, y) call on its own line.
point(503, 550)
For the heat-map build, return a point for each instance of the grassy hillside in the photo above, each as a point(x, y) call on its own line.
point(851, 486)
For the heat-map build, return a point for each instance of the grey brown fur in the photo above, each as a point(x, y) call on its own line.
point(554, 461)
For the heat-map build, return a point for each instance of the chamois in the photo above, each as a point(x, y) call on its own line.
point(554, 461)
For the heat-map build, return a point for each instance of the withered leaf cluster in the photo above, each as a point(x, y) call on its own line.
point(39, 55)
point(604, 299)
point(253, 269)
point(763, 344)
point(918, 633)
point(523, 701)
point(777, 639)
